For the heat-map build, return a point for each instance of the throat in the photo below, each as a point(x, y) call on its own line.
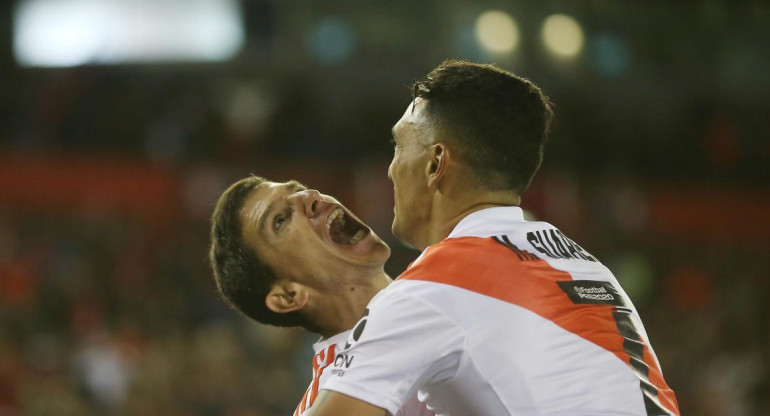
point(341, 310)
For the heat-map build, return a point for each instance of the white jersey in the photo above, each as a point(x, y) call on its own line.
point(504, 317)
point(324, 357)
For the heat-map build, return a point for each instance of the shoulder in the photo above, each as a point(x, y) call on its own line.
point(406, 309)
point(462, 255)
point(404, 298)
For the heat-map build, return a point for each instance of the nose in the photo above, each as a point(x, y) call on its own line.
point(390, 171)
point(309, 200)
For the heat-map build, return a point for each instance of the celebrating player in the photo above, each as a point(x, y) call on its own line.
point(288, 256)
point(498, 315)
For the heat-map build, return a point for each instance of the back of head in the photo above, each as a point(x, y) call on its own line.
point(242, 279)
point(497, 122)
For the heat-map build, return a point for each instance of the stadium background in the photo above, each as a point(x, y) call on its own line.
point(658, 164)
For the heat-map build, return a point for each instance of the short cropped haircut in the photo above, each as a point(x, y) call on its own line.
point(242, 279)
point(497, 122)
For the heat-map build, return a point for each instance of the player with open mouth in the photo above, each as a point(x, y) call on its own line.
point(287, 255)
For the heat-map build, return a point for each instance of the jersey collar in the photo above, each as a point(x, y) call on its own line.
point(486, 222)
point(482, 223)
point(324, 343)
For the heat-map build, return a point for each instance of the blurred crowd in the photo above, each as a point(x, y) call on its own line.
point(107, 313)
point(104, 314)
point(661, 173)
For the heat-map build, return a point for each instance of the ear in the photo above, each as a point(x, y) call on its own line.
point(287, 297)
point(437, 163)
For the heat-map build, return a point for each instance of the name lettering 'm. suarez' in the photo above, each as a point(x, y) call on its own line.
point(553, 243)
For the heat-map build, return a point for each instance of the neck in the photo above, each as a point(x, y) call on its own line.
point(341, 308)
point(448, 211)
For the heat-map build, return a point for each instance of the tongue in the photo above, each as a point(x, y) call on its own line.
point(336, 231)
point(345, 231)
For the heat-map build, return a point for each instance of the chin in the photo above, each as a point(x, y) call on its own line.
point(396, 228)
point(380, 252)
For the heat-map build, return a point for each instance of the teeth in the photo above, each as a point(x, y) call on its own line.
point(336, 213)
point(359, 235)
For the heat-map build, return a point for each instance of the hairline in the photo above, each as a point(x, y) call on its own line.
point(448, 129)
point(425, 120)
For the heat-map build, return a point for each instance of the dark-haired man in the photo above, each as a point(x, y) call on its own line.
point(285, 255)
point(498, 315)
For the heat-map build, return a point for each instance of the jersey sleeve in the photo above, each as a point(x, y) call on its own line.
point(401, 344)
point(415, 407)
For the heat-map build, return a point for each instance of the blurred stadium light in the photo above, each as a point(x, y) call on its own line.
point(562, 35)
point(497, 32)
point(75, 32)
point(331, 40)
point(609, 54)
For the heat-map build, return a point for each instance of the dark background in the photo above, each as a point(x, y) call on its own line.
point(658, 165)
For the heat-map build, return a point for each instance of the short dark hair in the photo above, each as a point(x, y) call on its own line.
point(497, 121)
point(242, 279)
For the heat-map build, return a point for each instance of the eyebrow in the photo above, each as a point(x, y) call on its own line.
point(291, 187)
point(294, 186)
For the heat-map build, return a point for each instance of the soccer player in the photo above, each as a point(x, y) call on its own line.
point(498, 315)
point(288, 256)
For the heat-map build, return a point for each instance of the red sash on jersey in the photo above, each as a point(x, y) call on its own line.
point(484, 266)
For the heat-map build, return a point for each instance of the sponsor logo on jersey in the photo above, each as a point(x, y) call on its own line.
point(592, 292)
point(343, 360)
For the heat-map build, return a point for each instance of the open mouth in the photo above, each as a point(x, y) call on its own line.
point(344, 229)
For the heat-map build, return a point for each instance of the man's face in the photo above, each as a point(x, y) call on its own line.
point(308, 237)
point(408, 171)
